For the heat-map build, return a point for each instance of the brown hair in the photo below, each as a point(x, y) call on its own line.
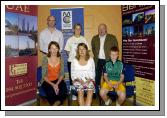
point(57, 45)
point(76, 26)
point(51, 16)
point(87, 51)
point(114, 49)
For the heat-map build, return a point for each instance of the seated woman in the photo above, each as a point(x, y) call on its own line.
point(83, 74)
point(53, 74)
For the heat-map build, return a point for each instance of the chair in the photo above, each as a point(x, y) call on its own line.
point(40, 91)
point(67, 81)
point(129, 79)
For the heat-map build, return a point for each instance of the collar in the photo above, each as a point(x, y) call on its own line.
point(103, 36)
point(49, 30)
point(112, 61)
point(77, 37)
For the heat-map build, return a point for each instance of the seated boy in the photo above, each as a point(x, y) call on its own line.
point(113, 78)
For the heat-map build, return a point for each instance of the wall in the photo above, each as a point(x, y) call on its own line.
point(93, 16)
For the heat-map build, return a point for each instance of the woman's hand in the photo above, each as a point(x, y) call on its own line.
point(56, 88)
point(76, 80)
point(87, 80)
point(82, 82)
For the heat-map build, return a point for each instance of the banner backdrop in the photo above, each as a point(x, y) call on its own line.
point(20, 53)
point(65, 20)
point(138, 48)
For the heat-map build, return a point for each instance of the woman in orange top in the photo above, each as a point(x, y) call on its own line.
point(53, 74)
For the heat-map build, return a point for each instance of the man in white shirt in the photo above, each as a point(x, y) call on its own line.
point(50, 34)
point(101, 52)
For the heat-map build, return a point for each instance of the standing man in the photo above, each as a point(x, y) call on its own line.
point(101, 45)
point(50, 34)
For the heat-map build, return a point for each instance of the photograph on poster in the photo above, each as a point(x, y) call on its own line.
point(138, 30)
point(149, 16)
point(11, 31)
point(27, 35)
point(127, 20)
point(149, 29)
point(21, 34)
point(127, 31)
point(138, 17)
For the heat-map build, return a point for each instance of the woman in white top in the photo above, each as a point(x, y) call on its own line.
point(71, 46)
point(83, 74)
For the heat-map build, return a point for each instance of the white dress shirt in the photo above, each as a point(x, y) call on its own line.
point(46, 37)
point(101, 52)
point(82, 71)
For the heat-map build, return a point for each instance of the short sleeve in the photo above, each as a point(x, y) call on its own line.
point(86, 42)
point(122, 68)
point(61, 41)
point(88, 45)
point(104, 69)
point(41, 43)
point(67, 46)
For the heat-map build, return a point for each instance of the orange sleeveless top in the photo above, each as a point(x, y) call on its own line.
point(53, 72)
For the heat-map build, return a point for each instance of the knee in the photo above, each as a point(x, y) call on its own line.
point(102, 93)
point(80, 93)
point(90, 92)
point(122, 96)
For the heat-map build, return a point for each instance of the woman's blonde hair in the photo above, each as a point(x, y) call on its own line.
point(87, 51)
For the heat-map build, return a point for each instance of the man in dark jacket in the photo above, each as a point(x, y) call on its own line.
point(101, 45)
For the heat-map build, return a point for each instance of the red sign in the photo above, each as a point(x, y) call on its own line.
point(23, 9)
point(20, 72)
point(20, 88)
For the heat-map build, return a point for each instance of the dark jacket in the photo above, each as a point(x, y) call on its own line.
point(110, 41)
